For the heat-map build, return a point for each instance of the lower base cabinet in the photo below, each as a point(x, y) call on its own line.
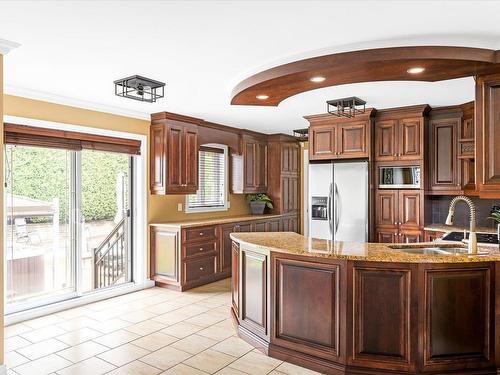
point(393, 235)
point(186, 257)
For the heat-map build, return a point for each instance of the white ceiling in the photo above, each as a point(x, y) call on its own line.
point(72, 51)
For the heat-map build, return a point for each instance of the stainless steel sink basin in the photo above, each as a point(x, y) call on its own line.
point(435, 250)
point(438, 249)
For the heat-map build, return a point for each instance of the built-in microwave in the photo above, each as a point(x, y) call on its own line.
point(400, 177)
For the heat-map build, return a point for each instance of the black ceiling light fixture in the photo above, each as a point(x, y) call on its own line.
point(140, 88)
point(346, 107)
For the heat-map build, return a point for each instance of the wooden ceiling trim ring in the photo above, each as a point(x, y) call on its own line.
point(383, 64)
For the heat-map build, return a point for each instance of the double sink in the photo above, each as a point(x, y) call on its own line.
point(448, 248)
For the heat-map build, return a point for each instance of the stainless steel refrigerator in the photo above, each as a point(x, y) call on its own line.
point(338, 201)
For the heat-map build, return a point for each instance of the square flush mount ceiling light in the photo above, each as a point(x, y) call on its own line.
point(139, 88)
point(346, 107)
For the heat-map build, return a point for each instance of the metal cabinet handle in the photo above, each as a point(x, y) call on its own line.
point(201, 233)
point(201, 249)
point(201, 268)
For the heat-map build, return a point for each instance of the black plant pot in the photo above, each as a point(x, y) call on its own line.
point(257, 208)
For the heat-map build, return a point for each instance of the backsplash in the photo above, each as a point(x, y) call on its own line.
point(437, 210)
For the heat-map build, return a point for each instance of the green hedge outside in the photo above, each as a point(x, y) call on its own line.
point(44, 174)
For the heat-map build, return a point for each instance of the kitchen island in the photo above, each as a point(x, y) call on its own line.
point(361, 308)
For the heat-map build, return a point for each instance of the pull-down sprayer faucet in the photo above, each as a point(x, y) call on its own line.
point(472, 249)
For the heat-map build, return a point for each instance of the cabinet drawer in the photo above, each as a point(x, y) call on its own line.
point(198, 249)
point(198, 269)
point(200, 234)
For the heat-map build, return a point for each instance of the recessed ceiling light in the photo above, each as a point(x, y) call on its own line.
point(416, 70)
point(262, 97)
point(317, 79)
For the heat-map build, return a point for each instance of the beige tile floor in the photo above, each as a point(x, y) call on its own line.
point(151, 332)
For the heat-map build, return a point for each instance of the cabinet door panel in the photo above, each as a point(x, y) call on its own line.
point(323, 142)
point(385, 140)
point(226, 254)
point(235, 259)
point(444, 171)
point(175, 158)
point(352, 140)
point(158, 159)
point(410, 209)
point(386, 208)
point(387, 235)
point(191, 160)
point(261, 167)
point(410, 139)
point(249, 170)
point(273, 226)
point(285, 191)
point(165, 254)
point(411, 236)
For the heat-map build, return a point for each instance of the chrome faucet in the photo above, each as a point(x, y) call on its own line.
point(472, 249)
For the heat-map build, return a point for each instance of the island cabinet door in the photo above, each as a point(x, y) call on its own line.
point(235, 277)
point(459, 321)
point(383, 319)
point(308, 309)
point(254, 292)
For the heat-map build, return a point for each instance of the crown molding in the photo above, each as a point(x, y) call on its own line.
point(72, 102)
point(6, 46)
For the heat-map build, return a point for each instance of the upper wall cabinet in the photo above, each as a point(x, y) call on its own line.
point(488, 135)
point(174, 154)
point(399, 133)
point(249, 170)
point(332, 137)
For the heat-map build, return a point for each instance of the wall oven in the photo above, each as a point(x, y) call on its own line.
point(400, 177)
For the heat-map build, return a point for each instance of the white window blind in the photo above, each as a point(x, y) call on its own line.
point(211, 180)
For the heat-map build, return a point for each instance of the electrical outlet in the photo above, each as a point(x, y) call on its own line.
point(179, 207)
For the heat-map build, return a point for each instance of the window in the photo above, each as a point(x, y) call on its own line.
point(212, 180)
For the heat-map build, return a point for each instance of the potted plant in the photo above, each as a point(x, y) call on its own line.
point(495, 216)
point(258, 203)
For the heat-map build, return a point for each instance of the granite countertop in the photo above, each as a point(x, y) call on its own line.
point(293, 243)
point(214, 221)
point(453, 228)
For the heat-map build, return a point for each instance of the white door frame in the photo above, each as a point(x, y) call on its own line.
point(139, 212)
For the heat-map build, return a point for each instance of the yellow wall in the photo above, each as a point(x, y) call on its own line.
point(160, 208)
point(1, 210)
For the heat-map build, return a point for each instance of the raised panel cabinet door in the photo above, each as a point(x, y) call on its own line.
point(488, 135)
point(411, 236)
point(297, 290)
point(273, 225)
point(226, 255)
point(386, 208)
point(381, 317)
point(352, 140)
point(235, 277)
point(259, 226)
point(285, 158)
point(285, 191)
point(387, 235)
point(261, 167)
point(385, 140)
point(190, 175)
point(158, 170)
point(452, 298)
point(293, 195)
point(175, 158)
point(444, 171)
point(165, 253)
point(294, 158)
point(249, 156)
point(253, 293)
point(323, 140)
point(410, 141)
point(468, 174)
point(410, 209)
point(245, 227)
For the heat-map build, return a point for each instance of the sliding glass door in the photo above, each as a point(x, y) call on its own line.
point(68, 223)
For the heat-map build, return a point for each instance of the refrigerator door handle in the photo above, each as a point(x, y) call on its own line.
point(329, 213)
point(337, 209)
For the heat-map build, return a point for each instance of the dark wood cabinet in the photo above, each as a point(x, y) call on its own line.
point(399, 133)
point(444, 165)
point(399, 215)
point(488, 135)
point(249, 170)
point(332, 137)
point(186, 257)
point(174, 154)
point(284, 173)
point(323, 142)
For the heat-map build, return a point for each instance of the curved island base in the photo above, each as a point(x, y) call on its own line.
point(366, 309)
